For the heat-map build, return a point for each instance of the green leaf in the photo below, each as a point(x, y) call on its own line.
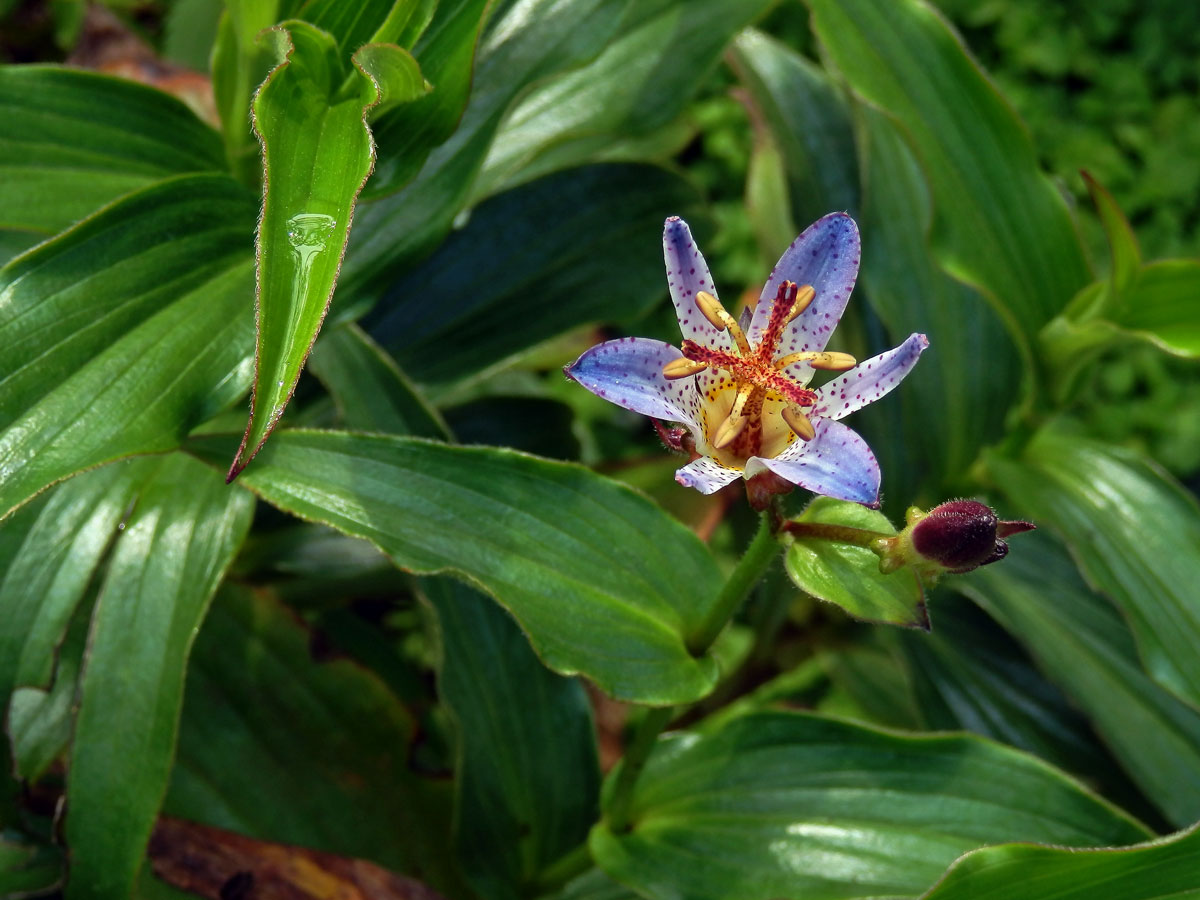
point(1126, 257)
point(526, 41)
point(1160, 870)
point(1134, 532)
point(525, 283)
point(317, 153)
point(634, 86)
point(529, 778)
point(355, 24)
point(998, 222)
point(181, 536)
point(370, 391)
point(595, 885)
point(74, 141)
point(848, 575)
point(793, 805)
point(446, 55)
point(123, 333)
point(602, 581)
point(28, 869)
point(280, 747)
point(809, 121)
point(1159, 305)
point(1081, 644)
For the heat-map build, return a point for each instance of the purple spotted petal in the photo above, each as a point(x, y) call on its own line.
point(836, 463)
point(869, 380)
point(705, 475)
point(687, 273)
point(826, 256)
point(628, 372)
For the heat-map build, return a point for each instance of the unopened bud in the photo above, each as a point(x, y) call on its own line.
point(956, 537)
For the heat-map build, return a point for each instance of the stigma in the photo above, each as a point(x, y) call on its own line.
point(759, 378)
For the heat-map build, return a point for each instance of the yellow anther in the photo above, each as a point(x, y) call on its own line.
point(736, 421)
point(682, 368)
point(804, 296)
point(799, 423)
point(830, 361)
point(710, 307)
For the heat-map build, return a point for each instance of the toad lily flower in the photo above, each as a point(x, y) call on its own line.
point(741, 388)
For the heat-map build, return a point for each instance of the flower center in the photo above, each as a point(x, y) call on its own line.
point(759, 378)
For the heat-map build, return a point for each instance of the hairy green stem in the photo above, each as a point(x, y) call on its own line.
point(632, 764)
point(843, 534)
point(750, 569)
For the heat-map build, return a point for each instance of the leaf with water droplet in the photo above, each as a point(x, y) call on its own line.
point(310, 117)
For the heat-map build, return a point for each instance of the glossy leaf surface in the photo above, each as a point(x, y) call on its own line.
point(634, 86)
point(60, 160)
point(529, 780)
point(1135, 534)
point(317, 154)
point(370, 390)
point(791, 805)
point(848, 575)
point(1162, 870)
point(125, 332)
point(181, 536)
point(526, 41)
point(1082, 644)
point(278, 746)
point(998, 223)
point(593, 572)
point(602, 261)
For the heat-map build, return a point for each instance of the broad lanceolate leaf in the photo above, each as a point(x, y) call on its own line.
point(602, 581)
point(354, 24)
point(182, 535)
point(370, 391)
point(809, 121)
point(848, 575)
point(1082, 644)
point(1165, 869)
point(526, 283)
point(1134, 532)
point(280, 747)
point(73, 141)
point(998, 222)
point(123, 333)
point(634, 86)
point(528, 776)
point(789, 805)
point(526, 41)
point(317, 154)
point(1159, 304)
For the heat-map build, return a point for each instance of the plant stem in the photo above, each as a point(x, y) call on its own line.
point(843, 534)
point(750, 569)
point(632, 764)
point(570, 864)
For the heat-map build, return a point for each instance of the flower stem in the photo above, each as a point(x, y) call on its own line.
point(843, 534)
point(632, 764)
point(750, 569)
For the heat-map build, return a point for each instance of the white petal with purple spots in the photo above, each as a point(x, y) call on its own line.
point(836, 462)
point(869, 380)
point(826, 256)
point(687, 273)
point(628, 372)
point(706, 475)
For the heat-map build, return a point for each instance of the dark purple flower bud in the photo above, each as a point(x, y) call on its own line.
point(962, 535)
